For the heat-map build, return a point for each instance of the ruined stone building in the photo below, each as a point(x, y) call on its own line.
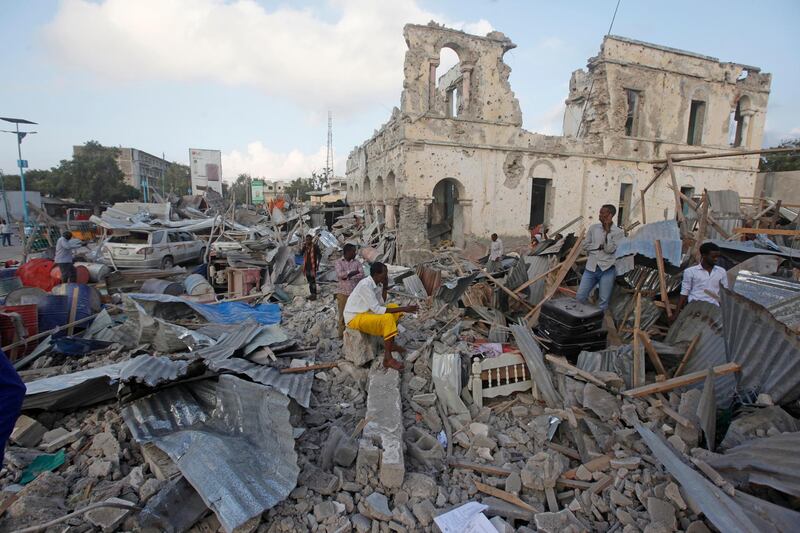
point(453, 161)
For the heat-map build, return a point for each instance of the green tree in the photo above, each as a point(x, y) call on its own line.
point(783, 160)
point(177, 179)
point(298, 189)
point(238, 189)
point(319, 180)
point(91, 176)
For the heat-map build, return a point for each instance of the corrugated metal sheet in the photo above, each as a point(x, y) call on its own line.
point(78, 389)
point(705, 319)
point(771, 461)
point(718, 507)
point(535, 361)
point(765, 290)
point(451, 291)
point(724, 207)
point(538, 265)
point(228, 343)
point(431, 278)
point(750, 247)
point(153, 370)
point(267, 336)
point(648, 277)
point(237, 451)
point(643, 242)
point(768, 351)
point(787, 311)
point(623, 306)
point(297, 386)
point(414, 286)
point(517, 275)
point(618, 360)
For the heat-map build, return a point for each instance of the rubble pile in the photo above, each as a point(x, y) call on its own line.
point(240, 409)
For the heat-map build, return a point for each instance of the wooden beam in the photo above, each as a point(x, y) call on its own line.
point(714, 223)
point(662, 278)
point(504, 495)
point(504, 288)
point(598, 463)
point(766, 231)
point(484, 469)
point(537, 278)
point(652, 353)
point(638, 358)
point(565, 450)
point(566, 265)
point(574, 370)
point(687, 355)
point(702, 227)
point(678, 159)
point(674, 383)
point(677, 192)
point(318, 366)
point(644, 212)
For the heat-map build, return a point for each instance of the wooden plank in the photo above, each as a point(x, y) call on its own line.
point(638, 357)
point(652, 353)
point(598, 463)
point(573, 483)
point(552, 501)
point(613, 335)
point(503, 495)
point(687, 355)
point(565, 450)
point(484, 469)
point(537, 278)
point(714, 223)
point(574, 370)
point(644, 211)
point(601, 484)
point(677, 417)
point(702, 227)
point(662, 279)
point(677, 193)
point(504, 288)
point(73, 309)
point(766, 231)
point(566, 265)
point(674, 383)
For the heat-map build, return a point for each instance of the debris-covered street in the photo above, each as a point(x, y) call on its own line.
point(477, 329)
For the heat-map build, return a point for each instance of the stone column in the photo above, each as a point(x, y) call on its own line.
point(391, 219)
point(432, 84)
point(746, 119)
point(466, 77)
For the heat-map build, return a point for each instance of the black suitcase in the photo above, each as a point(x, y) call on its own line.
point(552, 324)
point(556, 335)
point(570, 350)
point(570, 312)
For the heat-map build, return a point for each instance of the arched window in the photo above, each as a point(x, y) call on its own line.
point(738, 123)
point(448, 84)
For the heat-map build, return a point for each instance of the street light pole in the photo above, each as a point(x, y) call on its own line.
point(21, 163)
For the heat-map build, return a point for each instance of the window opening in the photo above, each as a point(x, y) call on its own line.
point(625, 190)
point(633, 99)
point(540, 198)
point(697, 114)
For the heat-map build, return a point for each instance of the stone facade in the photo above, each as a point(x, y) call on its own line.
point(454, 162)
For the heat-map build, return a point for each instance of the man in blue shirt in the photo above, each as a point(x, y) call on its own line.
point(12, 392)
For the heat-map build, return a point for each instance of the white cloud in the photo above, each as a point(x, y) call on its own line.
point(261, 162)
point(550, 122)
point(287, 52)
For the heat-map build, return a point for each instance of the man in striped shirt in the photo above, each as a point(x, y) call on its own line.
point(348, 274)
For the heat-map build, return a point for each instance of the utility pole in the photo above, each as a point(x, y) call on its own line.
point(21, 163)
point(329, 156)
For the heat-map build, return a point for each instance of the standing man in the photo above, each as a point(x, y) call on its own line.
point(12, 393)
point(367, 311)
point(64, 259)
point(311, 257)
point(495, 254)
point(5, 233)
point(348, 274)
point(706, 276)
point(600, 245)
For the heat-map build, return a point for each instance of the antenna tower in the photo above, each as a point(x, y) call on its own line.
point(329, 156)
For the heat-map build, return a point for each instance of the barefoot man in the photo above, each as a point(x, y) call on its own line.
point(367, 311)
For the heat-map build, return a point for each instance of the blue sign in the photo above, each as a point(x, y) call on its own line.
point(22, 163)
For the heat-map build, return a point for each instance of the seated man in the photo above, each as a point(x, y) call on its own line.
point(366, 311)
point(702, 279)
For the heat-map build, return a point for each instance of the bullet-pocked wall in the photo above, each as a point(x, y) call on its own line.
point(453, 161)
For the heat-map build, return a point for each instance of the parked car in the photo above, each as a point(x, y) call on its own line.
point(153, 249)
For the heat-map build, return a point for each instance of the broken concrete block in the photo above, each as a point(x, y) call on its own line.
point(176, 507)
point(57, 438)
point(149, 488)
point(423, 511)
point(619, 499)
point(425, 400)
point(557, 522)
point(419, 486)
point(417, 383)
point(677, 443)
point(542, 470)
point(663, 512)
point(501, 525)
point(424, 447)
point(385, 426)
point(697, 527)
point(27, 432)
point(357, 347)
point(376, 506)
point(630, 463)
point(339, 448)
point(673, 493)
point(106, 445)
point(324, 510)
point(361, 523)
point(603, 404)
point(160, 463)
point(109, 518)
point(99, 469)
point(514, 483)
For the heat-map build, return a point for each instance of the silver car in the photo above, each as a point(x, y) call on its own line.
point(153, 249)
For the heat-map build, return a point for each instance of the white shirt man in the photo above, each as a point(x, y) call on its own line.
point(367, 296)
point(496, 250)
point(697, 280)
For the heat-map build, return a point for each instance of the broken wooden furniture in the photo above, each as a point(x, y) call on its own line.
point(500, 376)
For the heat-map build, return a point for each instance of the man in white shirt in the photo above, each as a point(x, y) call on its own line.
point(495, 254)
point(706, 276)
point(63, 259)
point(600, 245)
point(367, 311)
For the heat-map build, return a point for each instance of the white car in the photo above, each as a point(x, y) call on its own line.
point(153, 249)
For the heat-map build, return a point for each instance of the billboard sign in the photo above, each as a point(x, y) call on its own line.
point(257, 191)
point(206, 170)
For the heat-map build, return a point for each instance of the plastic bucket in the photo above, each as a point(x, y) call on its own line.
point(197, 285)
point(81, 274)
point(162, 286)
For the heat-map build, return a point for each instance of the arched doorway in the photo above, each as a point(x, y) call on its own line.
point(445, 215)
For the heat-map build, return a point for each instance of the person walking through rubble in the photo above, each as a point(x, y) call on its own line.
point(12, 393)
point(368, 312)
point(348, 274)
point(64, 260)
point(600, 244)
point(5, 232)
point(703, 278)
point(311, 256)
point(495, 254)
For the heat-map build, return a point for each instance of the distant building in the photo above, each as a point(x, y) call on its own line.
point(274, 189)
point(141, 170)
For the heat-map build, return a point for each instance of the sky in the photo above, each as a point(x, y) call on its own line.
point(256, 79)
